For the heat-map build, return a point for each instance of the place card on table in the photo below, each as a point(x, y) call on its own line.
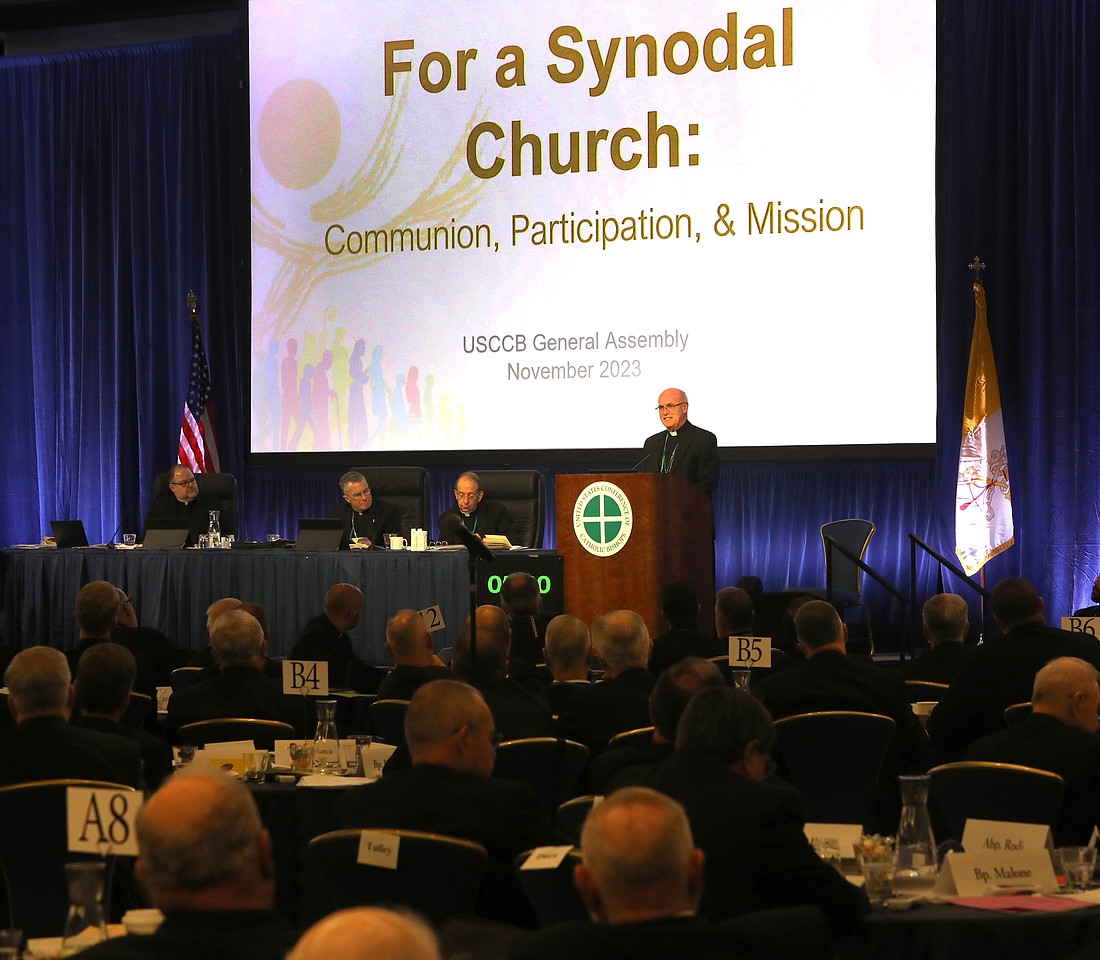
point(1089, 625)
point(1000, 836)
point(433, 617)
point(545, 858)
point(375, 756)
point(101, 820)
point(846, 835)
point(1000, 856)
point(378, 849)
point(748, 652)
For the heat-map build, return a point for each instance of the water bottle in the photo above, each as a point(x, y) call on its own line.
point(326, 741)
point(916, 844)
point(215, 530)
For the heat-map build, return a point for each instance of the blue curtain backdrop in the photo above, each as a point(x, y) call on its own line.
point(122, 187)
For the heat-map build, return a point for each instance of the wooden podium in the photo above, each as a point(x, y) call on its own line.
point(671, 538)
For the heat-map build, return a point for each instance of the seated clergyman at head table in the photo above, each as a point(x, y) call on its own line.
point(184, 503)
point(480, 516)
point(367, 520)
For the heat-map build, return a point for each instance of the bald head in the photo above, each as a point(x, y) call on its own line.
point(494, 643)
point(367, 933)
point(818, 626)
point(202, 847)
point(520, 596)
point(640, 862)
point(622, 640)
point(97, 606)
point(39, 684)
point(408, 640)
point(343, 605)
point(1066, 688)
point(449, 724)
point(568, 648)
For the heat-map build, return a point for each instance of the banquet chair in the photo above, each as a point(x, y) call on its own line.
point(34, 851)
point(642, 737)
point(834, 758)
point(263, 733)
point(523, 494)
point(183, 677)
point(551, 892)
point(388, 718)
point(925, 691)
point(572, 814)
point(404, 487)
point(137, 710)
point(220, 486)
point(438, 876)
point(552, 766)
point(1017, 713)
point(980, 790)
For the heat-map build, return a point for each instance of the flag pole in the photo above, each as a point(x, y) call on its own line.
point(978, 267)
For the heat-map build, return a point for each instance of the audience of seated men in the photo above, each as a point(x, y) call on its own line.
point(831, 680)
point(409, 643)
point(451, 737)
point(751, 831)
point(1002, 670)
point(162, 652)
point(204, 859)
point(240, 689)
point(680, 610)
point(521, 600)
point(104, 682)
point(43, 745)
point(367, 933)
point(517, 711)
point(97, 609)
point(641, 880)
point(946, 622)
point(674, 689)
point(620, 701)
point(325, 637)
point(567, 651)
point(1059, 736)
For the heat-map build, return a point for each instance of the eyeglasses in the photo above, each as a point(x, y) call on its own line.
point(662, 407)
point(182, 483)
point(361, 495)
point(467, 496)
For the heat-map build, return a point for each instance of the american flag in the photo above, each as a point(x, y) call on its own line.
point(198, 439)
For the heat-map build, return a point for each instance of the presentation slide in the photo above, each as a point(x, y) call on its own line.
point(503, 226)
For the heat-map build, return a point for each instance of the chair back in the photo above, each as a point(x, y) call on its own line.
point(438, 876)
point(572, 814)
point(263, 733)
point(853, 535)
point(552, 893)
point(220, 486)
point(834, 758)
point(979, 790)
point(552, 766)
point(642, 737)
point(523, 493)
point(404, 487)
point(388, 719)
point(136, 710)
point(184, 677)
point(1017, 713)
point(925, 691)
point(34, 851)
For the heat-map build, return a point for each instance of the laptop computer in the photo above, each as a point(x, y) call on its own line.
point(320, 533)
point(165, 535)
point(69, 533)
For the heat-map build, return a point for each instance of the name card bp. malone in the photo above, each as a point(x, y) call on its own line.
point(999, 856)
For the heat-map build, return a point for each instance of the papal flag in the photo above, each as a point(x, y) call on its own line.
point(198, 447)
point(983, 504)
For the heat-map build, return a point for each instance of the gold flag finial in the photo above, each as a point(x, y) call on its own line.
point(977, 266)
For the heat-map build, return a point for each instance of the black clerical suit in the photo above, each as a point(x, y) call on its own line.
point(692, 454)
point(382, 520)
point(490, 517)
point(195, 514)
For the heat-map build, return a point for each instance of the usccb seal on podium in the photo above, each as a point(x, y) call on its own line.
point(602, 519)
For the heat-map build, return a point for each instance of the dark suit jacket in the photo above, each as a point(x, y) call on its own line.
point(1044, 742)
point(209, 934)
point(502, 815)
point(830, 680)
point(751, 832)
point(939, 664)
point(164, 655)
point(528, 637)
point(234, 692)
point(320, 640)
point(196, 514)
point(517, 712)
point(156, 755)
point(1001, 672)
point(603, 772)
point(693, 454)
point(489, 517)
point(145, 681)
point(607, 708)
point(48, 748)
point(672, 647)
point(402, 682)
point(380, 521)
point(788, 934)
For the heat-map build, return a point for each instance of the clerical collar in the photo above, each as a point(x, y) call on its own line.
point(672, 433)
